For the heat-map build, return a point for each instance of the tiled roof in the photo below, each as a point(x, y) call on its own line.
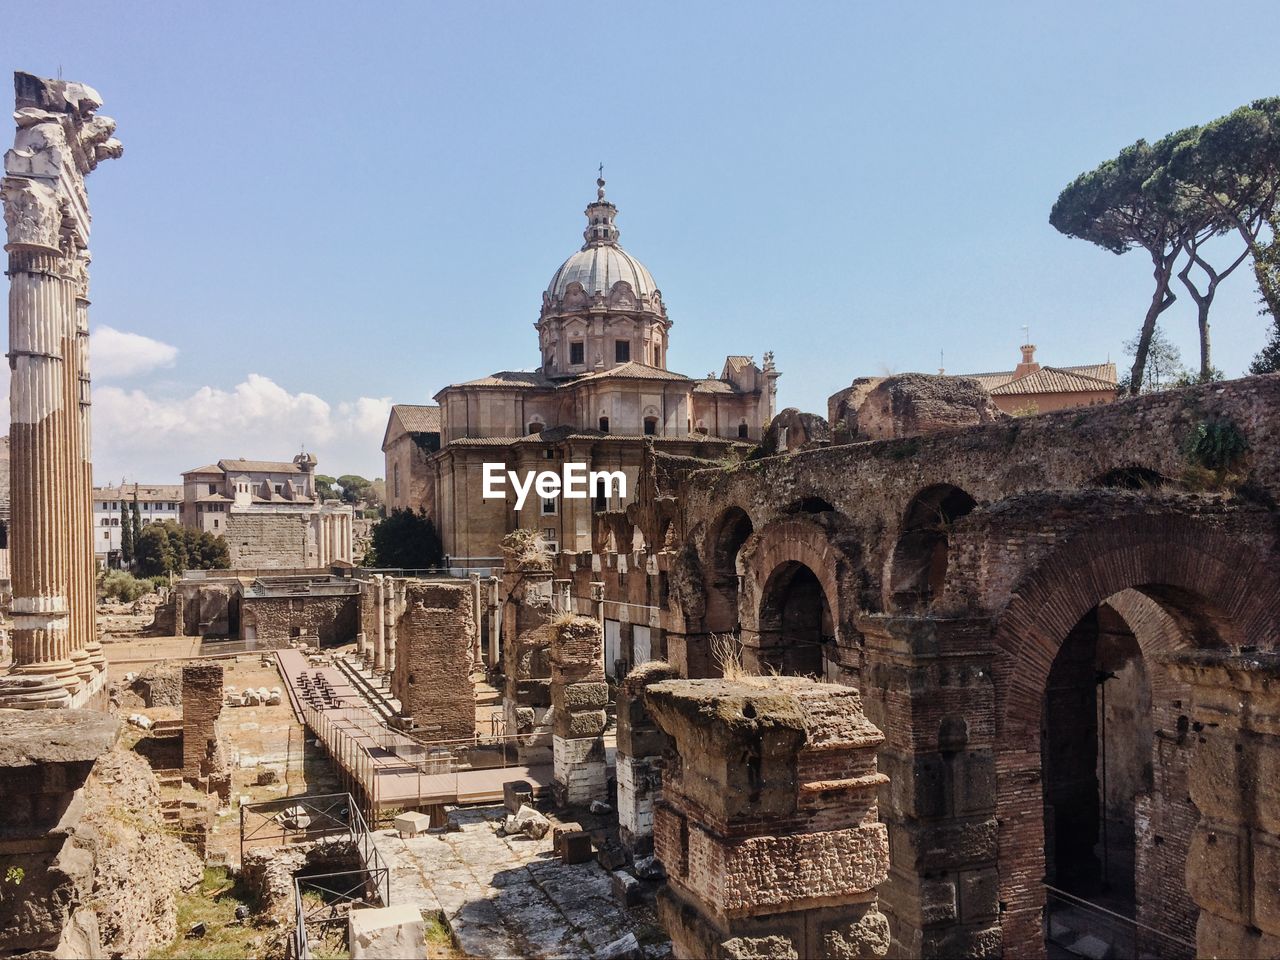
point(632, 370)
point(1052, 380)
point(213, 498)
point(737, 362)
point(417, 418)
point(258, 466)
point(713, 385)
point(207, 468)
point(145, 491)
point(992, 381)
point(509, 378)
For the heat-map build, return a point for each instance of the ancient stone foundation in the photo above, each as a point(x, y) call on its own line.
point(639, 757)
point(45, 760)
point(767, 822)
point(435, 646)
point(1233, 866)
point(579, 695)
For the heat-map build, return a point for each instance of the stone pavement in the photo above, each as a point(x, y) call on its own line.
point(509, 896)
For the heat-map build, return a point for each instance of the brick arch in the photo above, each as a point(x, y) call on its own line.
point(1210, 589)
point(720, 581)
point(791, 540)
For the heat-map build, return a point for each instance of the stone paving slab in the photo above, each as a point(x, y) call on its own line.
point(506, 896)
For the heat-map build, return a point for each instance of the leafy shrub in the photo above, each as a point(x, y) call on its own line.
point(123, 586)
point(1215, 445)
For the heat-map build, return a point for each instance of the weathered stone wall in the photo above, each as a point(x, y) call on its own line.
point(276, 620)
point(435, 642)
point(46, 757)
point(269, 541)
point(767, 824)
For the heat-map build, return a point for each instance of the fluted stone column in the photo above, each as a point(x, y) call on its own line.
point(57, 660)
point(380, 641)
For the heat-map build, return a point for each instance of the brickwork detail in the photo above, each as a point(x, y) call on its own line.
point(203, 761)
point(638, 762)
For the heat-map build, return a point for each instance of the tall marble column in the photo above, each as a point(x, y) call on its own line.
point(56, 660)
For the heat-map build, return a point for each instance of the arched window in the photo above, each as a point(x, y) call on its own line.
point(395, 479)
point(535, 426)
point(742, 430)
point(650, 426)
point(604, 424)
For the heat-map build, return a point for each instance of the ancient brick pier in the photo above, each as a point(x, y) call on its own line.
point(436, 643)
point(57, 659)
point(767, 824)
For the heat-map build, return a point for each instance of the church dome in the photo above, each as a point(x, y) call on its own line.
point(598, 267)
point(601, 262)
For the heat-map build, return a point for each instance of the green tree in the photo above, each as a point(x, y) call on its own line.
point(170, 548)
point(126, 534)
point(1223, 178)
point(353, 487)
point(1116, 207)
point(155, 550)
point(135, 521)
point(325, 487)
point(1164, 367)
point(406, 540)
point(1266, 266)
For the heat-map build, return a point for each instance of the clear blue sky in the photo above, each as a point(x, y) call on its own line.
point(366, 201)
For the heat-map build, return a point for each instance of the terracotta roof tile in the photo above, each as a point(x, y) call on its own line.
point(416, 418)
point(1052, 380)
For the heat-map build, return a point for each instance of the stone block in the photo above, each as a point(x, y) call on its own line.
point(586, 696)
point(515, 794)
point(386, 933)
point(575, 847)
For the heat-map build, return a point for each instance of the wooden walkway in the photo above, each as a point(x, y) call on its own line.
point(386, 769)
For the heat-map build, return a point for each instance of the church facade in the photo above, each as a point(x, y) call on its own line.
point(601, 392)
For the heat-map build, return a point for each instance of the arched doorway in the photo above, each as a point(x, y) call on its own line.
point(726, 541)
point(796, 629)
point(919, 566)
point(1171, 583)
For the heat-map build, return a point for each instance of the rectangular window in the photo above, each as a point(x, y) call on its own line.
point(549, 536)
point(577, 352)
point(213, 488)
point(548, 506)
point(215, 523)
point(106, 534)
point(622, 351)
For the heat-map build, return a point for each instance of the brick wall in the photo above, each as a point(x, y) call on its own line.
point(435, 640)
point(201, 707)
point(276, 620)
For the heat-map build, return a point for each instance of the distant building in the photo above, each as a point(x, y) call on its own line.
point(157, 502)
point(269, 513)
point(601, 393)
point(1031, 388)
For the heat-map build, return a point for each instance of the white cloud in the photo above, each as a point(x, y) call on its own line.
point(151, 438)
point(114, 354)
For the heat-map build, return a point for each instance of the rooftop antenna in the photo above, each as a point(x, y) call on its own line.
point(1026, 334)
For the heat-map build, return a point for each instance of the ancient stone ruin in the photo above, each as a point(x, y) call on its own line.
point(767, 824)
point(579, 696)
point(435, 644)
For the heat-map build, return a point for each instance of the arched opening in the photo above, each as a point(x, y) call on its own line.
point(604, 424)
point(919, 567)
point(1115, 750)
point(726, 543)
point(743, 430)
point(535, 426)
point(1130, 478)
point(796, 629)
point(810, 505)
point(650, 426)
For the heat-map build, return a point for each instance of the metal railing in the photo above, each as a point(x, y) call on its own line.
point(335, 814)
point(389, 769)
point(1069, 917)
